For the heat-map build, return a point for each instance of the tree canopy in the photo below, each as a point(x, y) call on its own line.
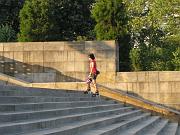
point(47, 20)
point(111, 19)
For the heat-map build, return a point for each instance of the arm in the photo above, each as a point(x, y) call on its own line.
point(91, 67)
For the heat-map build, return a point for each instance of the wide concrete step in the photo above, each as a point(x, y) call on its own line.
point(82, 126)
point(36, 99)
point(49, 105)
point(139, 128)
point(27, 126)
point(44, 90)
point(116, 127)
point(170, 129)
point(157, 128)
point(39, 90)
point(17, 116)
point(41, 93)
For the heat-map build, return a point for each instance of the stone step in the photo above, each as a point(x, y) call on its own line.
point(139, 128)
point(39, 90)
point(171, 129)
point(49, 105)
point(116, 127)
point(42, 93)
point(27, 126)
point(178, 130)
point(157, 128)
point(17, 116)
point(81, 126)
point(36, 99)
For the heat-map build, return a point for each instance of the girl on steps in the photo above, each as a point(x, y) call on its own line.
point(93, 72)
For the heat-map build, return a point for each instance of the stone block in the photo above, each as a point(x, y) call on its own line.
point(54, 66)
point(44, 85)
point(60, 77)
point(21, 68)
point(111, 66)
point(53, 56)
point(53, 46)
point(142, 76)
point(80, 66)
point(2, 68)
point(165, 87)
point(151, 97)
point(1, 47)
point(66, 85)
point(167, 98)
point(106, 77)
point(34, 46)
point(44, 77)
point(80, 56)
point(153, 87)
point(81, 76)
point(122, 86)
point(143, 87)
point(100, 45)
point(1, 57)
point(71, 56)
point(13, 47)
point(8, 57)
point(18, 56)
point(81, 86)
point(102, 66)
point(69, 66)
point(175, 87)
point(9, 67)
point(169, 76)
point(126, 77)
point(37, 67)
point(153, 76)
point(28, 77)
point(110, 55)
point(34, 56)
point(70, 76)
point(26, 57)
point(102, 56)
point(74, 46)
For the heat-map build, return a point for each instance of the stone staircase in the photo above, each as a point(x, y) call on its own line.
point(31, 111)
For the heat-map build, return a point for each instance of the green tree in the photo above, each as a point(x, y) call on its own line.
point(112, 24)
point(111, 19)
point(47, 20)
point(152, 24)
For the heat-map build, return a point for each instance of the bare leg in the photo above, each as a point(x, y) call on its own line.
point(88, 86)
point(95, 86)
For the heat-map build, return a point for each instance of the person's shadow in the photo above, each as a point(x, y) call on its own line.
point(28, 72)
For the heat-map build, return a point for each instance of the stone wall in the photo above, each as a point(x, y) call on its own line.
point(56, 61)
point(162, 87)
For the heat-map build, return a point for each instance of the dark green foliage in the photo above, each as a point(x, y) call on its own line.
point(50, 20)
point(9, 12)
point(111, 19)
point(112, 24)
point(162, 55)
point(7, 34)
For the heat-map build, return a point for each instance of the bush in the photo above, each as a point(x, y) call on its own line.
point(7, 34)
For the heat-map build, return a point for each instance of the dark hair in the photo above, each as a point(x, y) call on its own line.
point(91, 55)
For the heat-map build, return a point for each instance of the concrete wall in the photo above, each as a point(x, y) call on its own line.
point(68, 62)
point(56, 61)
point(162, 87)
